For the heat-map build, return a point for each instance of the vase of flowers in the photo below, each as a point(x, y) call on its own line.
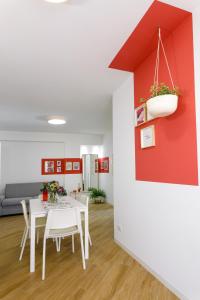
point(54, 189)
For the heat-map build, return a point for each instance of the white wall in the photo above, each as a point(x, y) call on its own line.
point(158, 223)
point(21, 161)
point(106, 179)
point(32, 146)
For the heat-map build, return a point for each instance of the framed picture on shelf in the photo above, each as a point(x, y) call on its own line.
point(147, 137)
point(140, 114)
point(68, 165)
point(76, 165)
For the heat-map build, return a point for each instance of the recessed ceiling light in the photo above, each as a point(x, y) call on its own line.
point(56, 1)
point(57, 121)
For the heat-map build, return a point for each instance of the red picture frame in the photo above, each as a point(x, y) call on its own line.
point(104, 165)
point(52, 166)
point(72, 166)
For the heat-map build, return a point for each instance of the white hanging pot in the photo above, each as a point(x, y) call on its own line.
point(162, 106)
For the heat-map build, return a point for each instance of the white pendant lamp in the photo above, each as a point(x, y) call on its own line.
point(56, 1)
point(57, 121)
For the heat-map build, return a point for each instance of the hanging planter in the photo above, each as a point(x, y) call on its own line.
point(164, 100)
point(162, 106)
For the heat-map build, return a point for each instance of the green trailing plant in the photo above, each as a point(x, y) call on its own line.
point(161, 89)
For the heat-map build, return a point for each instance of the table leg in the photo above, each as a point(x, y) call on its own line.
point(86, 236)
point(32, 244)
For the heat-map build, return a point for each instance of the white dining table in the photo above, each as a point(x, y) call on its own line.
point(37, 210)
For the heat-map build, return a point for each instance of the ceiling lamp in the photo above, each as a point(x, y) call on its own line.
point(56, 1)
point(56, 121)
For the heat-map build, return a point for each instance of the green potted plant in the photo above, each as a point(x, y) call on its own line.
point(163, 101)
point(97, 195)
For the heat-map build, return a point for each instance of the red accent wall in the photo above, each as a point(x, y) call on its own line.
point(174, 158)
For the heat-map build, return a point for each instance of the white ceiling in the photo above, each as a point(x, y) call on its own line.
point(54, 61)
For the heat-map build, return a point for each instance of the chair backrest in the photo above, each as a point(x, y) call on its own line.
point(24, 209)
point(84, 199)
point(62, 218)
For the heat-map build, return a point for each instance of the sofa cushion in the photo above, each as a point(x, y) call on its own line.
point(14, 201)
point(17, 190)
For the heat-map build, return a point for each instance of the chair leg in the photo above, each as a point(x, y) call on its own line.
point(90, 241)
point(82, 250)
point(38, 235)
point(23, 237)
point(44, 258)
point(59, 244)
point(23, 244)
point(73, 248)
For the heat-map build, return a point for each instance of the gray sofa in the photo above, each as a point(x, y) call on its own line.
point(14, 193)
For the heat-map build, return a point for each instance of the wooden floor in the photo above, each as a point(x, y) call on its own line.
point(111, 273)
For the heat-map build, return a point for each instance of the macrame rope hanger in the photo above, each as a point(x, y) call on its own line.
point(156, 74)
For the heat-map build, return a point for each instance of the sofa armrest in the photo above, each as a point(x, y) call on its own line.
point(2, 197)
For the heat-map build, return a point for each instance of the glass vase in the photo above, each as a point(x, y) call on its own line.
point(52, 197)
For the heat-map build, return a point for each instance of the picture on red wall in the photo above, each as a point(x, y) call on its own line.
point(52, 166)
point(76, 166)
point(140, 115)
point(59, 163)
point(103, 165)
point(68, 166)
point(147, 137)
point(73, 166)
point(49, 166)
point(59, 169)
point(58, 166)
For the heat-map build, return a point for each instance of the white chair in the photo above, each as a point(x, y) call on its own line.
point(62, 223)
point(40, 222)
point(85, 200)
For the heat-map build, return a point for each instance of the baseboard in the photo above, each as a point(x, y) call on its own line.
point(157, 276)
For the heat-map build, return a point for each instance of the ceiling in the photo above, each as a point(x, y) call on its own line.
point(54, 61)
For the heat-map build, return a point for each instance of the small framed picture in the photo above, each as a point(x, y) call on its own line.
point(49, 166)
point(68, 166)
point(140, 114)
point(76, 165)
point(59, 170)
point(105, 165)
point(147, 137)
point(58, 163)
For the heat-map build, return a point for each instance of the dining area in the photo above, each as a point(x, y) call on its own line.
point(65, 218)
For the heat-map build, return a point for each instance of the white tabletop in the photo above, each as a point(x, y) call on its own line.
point(37, 207)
